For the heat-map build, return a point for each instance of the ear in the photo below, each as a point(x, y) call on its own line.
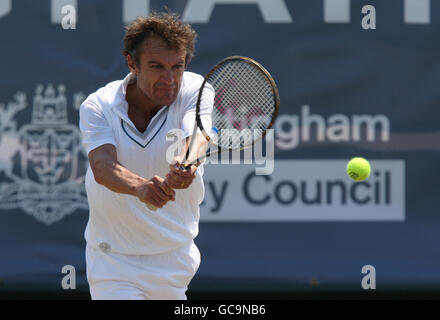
point(132, 65)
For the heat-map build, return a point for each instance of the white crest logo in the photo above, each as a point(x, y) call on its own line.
point(42, 163)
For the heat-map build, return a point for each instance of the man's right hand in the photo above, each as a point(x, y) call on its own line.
point(155, 191)
point(114, 176)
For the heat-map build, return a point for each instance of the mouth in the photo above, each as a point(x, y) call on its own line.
point(166, 90)
point(166, 95)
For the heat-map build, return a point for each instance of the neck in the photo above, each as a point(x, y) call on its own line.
point(138, 102)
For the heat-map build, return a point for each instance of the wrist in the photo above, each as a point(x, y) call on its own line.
point(137, 185)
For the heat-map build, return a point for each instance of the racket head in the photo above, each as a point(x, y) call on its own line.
point(246, 103)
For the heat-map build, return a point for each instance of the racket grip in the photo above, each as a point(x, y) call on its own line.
point(182, 167)
point(151, 207)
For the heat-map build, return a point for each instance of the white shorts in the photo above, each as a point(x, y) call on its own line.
point(164, 276)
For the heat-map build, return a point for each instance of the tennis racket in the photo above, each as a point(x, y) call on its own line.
point(246, 104)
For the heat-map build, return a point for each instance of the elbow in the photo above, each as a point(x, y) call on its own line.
point(98, 169)
point(101, 163)
point(98, 179)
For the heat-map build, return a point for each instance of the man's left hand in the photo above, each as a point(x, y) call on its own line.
point(179, 178)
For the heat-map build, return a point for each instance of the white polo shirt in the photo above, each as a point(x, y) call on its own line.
point(122, 223)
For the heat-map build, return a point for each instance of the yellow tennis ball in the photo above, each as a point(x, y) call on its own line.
point(358, 169)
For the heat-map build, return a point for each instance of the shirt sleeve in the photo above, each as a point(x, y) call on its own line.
point(206, 106)
point(95, 129)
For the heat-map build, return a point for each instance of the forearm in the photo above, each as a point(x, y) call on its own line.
point(116, 177)
point(178, 178)
point(198, 149)
point(113, 175)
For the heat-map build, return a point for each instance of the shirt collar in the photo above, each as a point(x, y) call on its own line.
point(127, 80)
point(121, 105)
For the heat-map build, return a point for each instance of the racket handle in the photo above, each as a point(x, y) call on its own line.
point(150, 206)
point(182, 167)
point(197, 163)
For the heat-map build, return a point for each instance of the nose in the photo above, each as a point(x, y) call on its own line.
point(167, 77)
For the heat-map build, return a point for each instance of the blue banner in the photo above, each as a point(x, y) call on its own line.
point(356, 78)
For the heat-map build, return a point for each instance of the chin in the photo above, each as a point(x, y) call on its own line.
point(166, 100)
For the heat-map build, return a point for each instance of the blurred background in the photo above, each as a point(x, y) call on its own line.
point(356, 78)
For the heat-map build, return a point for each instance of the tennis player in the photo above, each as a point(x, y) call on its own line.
point(133, 252)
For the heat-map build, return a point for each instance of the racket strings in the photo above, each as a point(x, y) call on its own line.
point(244, 103)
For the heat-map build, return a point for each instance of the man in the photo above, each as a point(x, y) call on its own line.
point(133, 252)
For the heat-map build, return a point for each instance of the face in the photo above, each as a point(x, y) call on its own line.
point(159, 72)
